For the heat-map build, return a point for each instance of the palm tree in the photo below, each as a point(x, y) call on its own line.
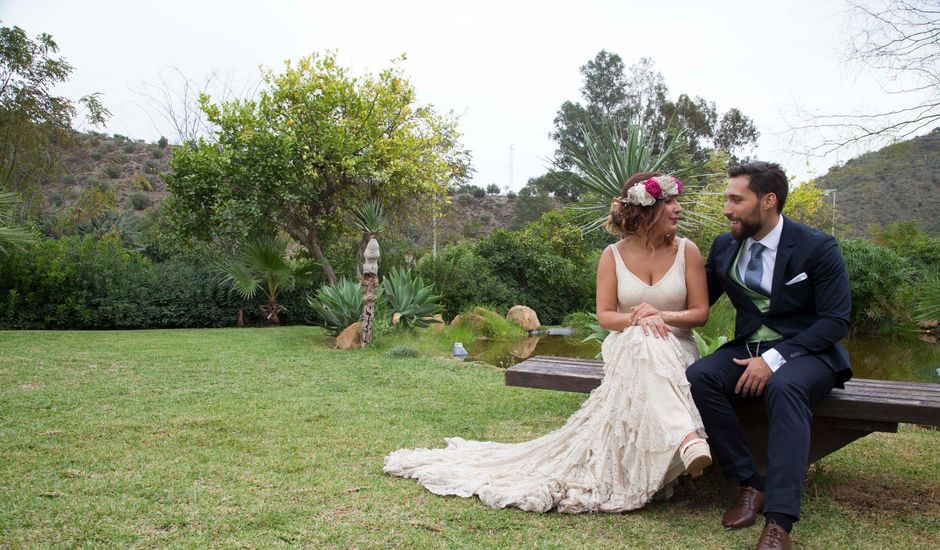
point(10, 236)
point(262, 264)
point(371, 220)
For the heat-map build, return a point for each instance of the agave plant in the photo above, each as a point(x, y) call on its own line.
point(611, 155)
point(338, 305)
point(10, 236)
point(261, 264)
point(410, 298)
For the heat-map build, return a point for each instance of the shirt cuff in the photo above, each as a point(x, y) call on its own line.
point(774, 359)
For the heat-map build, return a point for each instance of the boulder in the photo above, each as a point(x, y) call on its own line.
point(524, 316)
point(349, 338)
point(438, 326)
point(396, 318)
point(471, 320)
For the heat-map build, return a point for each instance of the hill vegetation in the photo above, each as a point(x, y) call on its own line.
point(900, 182)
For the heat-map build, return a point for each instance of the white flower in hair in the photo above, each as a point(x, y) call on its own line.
point(669, 185)
point(638, 195)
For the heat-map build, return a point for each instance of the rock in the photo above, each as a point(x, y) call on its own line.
point(349, 338)
point(438, 326)
point(524, 348)
point(471, 320)
point(524, 316)
point(396, 318)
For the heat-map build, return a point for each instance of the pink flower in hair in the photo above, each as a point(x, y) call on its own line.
point(653, 188)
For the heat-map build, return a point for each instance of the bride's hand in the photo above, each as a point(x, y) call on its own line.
point(654, 324)
point(640, 311)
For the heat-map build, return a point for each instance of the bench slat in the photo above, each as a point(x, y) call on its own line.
point(862, 399)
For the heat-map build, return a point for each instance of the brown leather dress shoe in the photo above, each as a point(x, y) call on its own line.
point(774, 537)
point(745, 509)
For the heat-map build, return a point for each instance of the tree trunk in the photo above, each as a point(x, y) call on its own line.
point(310, 241)
point(240, 318)
point(370, 286)
point(270, 314)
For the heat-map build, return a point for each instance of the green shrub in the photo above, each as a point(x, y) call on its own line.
point(464, 279)
point(880, 289)
point(112, 171)
point(580, 321)
point(140, 201)
point(150, 167)
point(163, 142)
point(464, 198)
point(129, 148)
point(477, 192)
point(97, 155)
point(95, 283)
point(156, 153)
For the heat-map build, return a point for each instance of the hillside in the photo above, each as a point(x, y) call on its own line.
point(899, 182)
point(130, 168)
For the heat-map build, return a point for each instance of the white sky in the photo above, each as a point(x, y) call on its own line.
point(504, 67)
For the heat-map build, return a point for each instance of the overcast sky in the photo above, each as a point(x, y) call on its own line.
point(505, 67)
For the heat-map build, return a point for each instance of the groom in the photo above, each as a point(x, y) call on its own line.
point(789, 287)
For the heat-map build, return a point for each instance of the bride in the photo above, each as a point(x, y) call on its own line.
point(639, 430)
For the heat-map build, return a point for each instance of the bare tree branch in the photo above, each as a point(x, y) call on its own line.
point(900, 41)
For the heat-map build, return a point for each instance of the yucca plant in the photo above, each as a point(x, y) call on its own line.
point(10, 236)
point(338, 305)
point(611, 155)
point(261, 264)
point(408, 296)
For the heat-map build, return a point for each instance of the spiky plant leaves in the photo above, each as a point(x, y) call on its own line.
point(408, 296)
point(338, 305)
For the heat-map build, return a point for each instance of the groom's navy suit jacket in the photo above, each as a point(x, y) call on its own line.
point(811, 314)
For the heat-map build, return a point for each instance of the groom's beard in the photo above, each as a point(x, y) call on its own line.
point(747, 227)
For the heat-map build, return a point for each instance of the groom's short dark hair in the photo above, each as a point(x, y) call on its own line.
point(765, 177)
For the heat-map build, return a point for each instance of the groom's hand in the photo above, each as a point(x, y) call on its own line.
point(755, 377)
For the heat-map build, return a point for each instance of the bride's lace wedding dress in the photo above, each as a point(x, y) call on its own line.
point(615, 453)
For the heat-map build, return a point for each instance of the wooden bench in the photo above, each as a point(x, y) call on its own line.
point(863, 407)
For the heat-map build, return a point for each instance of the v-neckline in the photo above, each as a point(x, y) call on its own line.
point(635, 276)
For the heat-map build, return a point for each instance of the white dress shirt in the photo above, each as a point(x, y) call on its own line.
point(771, 242)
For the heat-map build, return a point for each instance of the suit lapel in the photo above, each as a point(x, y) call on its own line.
point(726, 265)
point(784, 251)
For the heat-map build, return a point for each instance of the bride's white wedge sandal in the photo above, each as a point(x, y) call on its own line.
point(696, 456)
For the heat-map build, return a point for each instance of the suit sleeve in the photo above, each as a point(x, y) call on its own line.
point(715, 288)
point(833, 299)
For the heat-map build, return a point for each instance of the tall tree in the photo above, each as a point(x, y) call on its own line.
point(638, 95)
point(315, 144)
point(34, 123)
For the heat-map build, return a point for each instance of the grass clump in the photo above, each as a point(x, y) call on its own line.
point(485, 323)
point(402, 352)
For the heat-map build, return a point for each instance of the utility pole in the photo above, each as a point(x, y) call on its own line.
point(832, 192)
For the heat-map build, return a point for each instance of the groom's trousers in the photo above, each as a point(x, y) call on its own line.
point(788, 397)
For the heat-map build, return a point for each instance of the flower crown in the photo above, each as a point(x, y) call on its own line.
point(646, 193)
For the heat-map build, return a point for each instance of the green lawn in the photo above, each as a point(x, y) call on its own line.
point(267, 437)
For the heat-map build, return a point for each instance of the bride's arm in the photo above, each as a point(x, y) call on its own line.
point(696, 286)
point(606, 298)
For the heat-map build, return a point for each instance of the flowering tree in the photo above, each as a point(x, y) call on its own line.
point(316, 144)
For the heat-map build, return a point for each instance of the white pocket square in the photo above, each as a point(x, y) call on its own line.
point(798, 278)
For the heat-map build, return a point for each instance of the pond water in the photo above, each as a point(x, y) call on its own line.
point(908, 359)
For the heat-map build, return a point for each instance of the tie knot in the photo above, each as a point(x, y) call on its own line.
point(757, 249)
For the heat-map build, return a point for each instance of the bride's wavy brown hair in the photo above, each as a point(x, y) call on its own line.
point(633, 219)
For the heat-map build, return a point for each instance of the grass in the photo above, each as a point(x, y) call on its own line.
point(267, 437)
